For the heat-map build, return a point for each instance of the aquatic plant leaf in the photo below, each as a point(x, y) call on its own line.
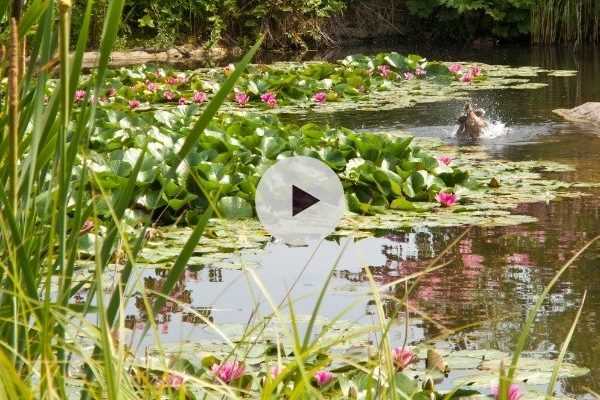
point(563, 73)
point(235, 207)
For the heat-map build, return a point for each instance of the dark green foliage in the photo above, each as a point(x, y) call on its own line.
point(469, 19)
point(163, 23)
point(297, 23)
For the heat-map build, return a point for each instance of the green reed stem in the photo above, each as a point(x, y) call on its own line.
point(563, 350)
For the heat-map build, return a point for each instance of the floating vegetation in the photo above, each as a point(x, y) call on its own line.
point(565, 73)
point(345, 350)
point(358, 82)
point(488, 197)
point(378, 171)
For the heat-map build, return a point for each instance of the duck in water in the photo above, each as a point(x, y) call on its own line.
point(471, 124)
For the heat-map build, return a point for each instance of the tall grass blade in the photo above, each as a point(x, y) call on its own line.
point(179, 267)
point(215, 104)
point(315, 313)
point(32, 15)
point(180, 264)
point(563, 351)
point(112, 22)
point(522, 341)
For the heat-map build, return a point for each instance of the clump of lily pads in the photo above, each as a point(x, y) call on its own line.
point(488, 197)
point(316, 85)
point(358, 82)
point(378, 171)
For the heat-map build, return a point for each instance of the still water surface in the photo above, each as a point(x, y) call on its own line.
point(495, 273)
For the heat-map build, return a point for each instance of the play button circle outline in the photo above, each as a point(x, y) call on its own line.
point(300, 199)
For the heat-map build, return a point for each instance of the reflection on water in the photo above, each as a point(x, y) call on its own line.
point(493, 275)
point(490, 283)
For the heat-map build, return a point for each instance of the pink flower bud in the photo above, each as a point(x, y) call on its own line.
point(323, 377)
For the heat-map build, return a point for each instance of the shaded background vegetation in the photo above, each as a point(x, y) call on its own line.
point(322, 23)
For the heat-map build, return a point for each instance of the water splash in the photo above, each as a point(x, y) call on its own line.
point(494, 130)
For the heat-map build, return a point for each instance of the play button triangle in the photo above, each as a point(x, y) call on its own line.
point(301, 200)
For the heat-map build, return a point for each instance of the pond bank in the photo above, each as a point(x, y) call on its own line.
point(175, 55)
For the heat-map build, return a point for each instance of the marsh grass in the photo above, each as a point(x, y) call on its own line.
point(45, 203)
point(508, 379)
point(565, 22)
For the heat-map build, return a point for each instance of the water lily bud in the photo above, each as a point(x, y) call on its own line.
point(323, 377)
point(436, 362)
point(228, 371)
point(494, 184)
point(429, 388)
point(428, 385)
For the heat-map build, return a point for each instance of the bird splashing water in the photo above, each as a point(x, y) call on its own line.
point(473, 125)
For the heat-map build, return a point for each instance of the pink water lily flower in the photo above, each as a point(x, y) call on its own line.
point(320, 97)
point(275, 371)
point(133, 104)
point(455, 68)
point(228, 371)
point(150, 86)
point(446, 199)
point(173, 80)
point(199, 97)
point(182, 101)
point(420, 72)
point(80, 95)
point(514, 392)
point(242, 98)
point(409, 76)
point(174, 380)
point(467, 77)
point(444, 160)
point(403, 357)
point(323, 377)
point(269, 98)
point(168, 95)
point(475, 71)
point(384, 70)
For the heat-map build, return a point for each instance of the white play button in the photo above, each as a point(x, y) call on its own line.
point(300, 199)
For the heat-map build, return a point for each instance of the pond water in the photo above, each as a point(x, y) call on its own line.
point(494, 273)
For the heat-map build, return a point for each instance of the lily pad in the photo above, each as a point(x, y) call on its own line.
point(563, 73)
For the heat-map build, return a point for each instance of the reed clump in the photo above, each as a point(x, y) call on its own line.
point(565, 22)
